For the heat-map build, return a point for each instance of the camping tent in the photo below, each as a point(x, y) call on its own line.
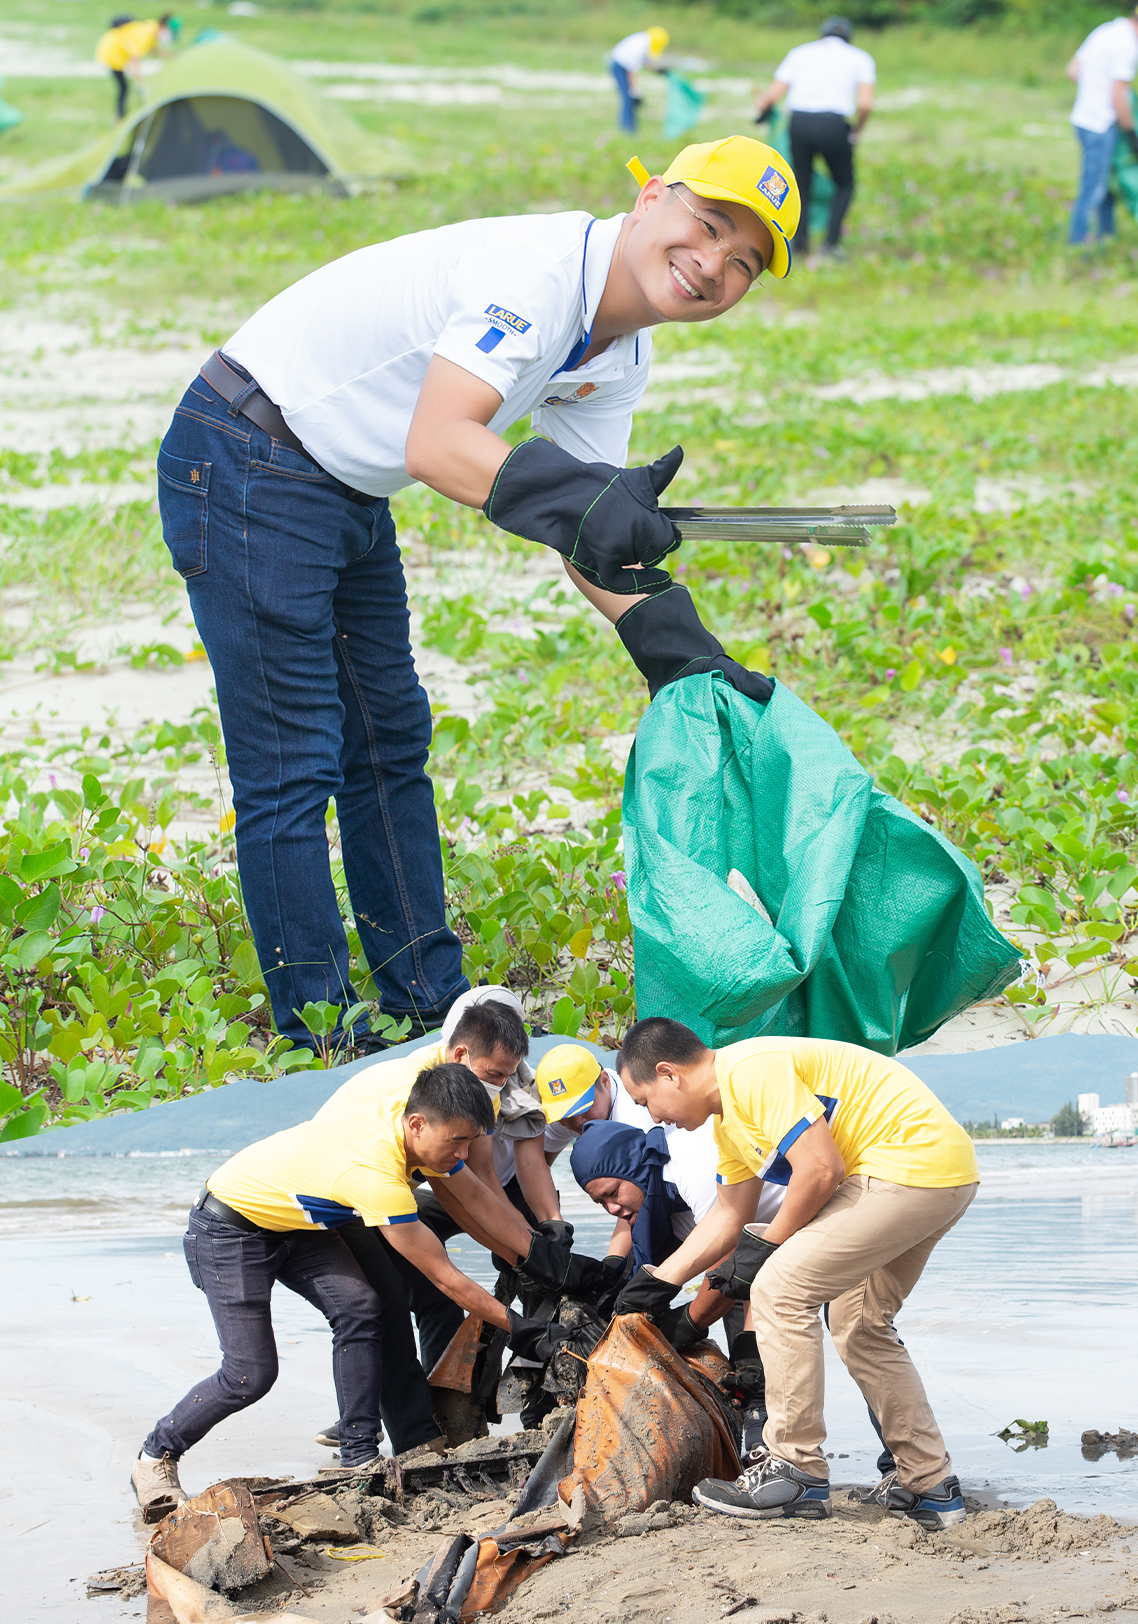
point(221, 117)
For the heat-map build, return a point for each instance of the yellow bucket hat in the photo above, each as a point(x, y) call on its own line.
point(566, 1081)
point(658, 41)
point(740, 170)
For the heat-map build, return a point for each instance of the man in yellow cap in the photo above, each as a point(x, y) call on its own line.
point(408, 360)
point(627, 61)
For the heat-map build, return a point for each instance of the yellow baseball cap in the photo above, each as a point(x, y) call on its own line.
point(566, 1080)
point(740, 170)
point(658, 41)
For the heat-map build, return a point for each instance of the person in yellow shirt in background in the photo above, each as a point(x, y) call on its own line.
point(270, 1214)
point(127, 41)
point(877, 1172)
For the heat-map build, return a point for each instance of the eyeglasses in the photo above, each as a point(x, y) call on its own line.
point(716, 242)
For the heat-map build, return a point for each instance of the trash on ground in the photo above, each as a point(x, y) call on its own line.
point(1023, 1435)
point(317, 1516)
point(1097, 1444)
point(215, 1539)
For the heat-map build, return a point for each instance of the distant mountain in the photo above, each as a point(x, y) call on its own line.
point(1031, 1079)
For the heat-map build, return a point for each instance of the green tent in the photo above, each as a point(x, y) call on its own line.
point(221, 118)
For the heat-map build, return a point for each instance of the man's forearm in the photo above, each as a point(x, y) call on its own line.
point(535, 1179)
point(493, 1224)
point(1123, 111)
point(711, 1239)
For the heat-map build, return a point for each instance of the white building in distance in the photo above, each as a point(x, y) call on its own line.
point(1088, 1104)
point(1110, 1119)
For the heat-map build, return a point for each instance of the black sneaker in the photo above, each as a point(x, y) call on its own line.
point(330, 1436)
point(939, 1507)
point(878, 1495)
point(773, 1488)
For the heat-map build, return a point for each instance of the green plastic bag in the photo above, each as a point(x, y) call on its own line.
point(683, 104)
point(1124, 168)
point(875, 930)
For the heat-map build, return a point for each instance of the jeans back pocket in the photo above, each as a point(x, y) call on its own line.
point(183, 501)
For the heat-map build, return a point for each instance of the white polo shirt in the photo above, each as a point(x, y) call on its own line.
point(693, 1165)
point(343, 352)
point(632, 52)
point(1109, 53)
point(823, 76)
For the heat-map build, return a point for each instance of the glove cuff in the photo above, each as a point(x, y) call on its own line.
point(667, 640)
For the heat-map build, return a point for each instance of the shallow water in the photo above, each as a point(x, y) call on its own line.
point(1025, 1310)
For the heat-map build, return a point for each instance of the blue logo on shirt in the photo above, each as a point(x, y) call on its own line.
point(505, 320)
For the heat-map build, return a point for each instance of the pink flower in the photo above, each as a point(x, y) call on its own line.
point(1006, 656)
point(97, 913)
point(1113, 590)
point(53, 781)
point(890, 674)
point(1124, 795)
point(1025, 591)
point(619, 879)
point(1129, 611)
point(84, 853)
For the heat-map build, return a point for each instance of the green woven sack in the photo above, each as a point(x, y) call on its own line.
point(872, 926)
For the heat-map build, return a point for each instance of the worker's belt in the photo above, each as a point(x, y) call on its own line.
point(259, 409)
point(208, 1202)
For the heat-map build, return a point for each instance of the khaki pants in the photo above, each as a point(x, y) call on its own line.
point(862, 1254)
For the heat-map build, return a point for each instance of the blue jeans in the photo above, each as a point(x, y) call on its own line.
point(298, 595)
point(626, 113)
point(237, 1272)
point(1094, 184)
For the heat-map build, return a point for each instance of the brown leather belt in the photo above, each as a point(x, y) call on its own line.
point(259, 409)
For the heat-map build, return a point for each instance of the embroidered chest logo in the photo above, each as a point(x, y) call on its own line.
point(501, 322)
point(774, 186)
point(581, 393)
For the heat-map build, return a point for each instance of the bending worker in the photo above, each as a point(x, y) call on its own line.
point(405, 361)
point(1103, 70)
point(484, 1032)
point(828, 85)
point(877, 1172)
point(126, 43)
point(627, 61)
point(270, 1214)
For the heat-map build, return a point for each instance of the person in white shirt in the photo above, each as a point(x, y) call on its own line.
point(1103, 69)
point(828, 85)
point(627, 61)
point(406, 361)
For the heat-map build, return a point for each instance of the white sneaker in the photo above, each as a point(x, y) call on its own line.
point(156, 1486)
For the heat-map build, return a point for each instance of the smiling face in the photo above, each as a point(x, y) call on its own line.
point(619, 1197)
point(684, 272)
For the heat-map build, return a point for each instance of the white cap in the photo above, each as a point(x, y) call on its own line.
point(476, 995)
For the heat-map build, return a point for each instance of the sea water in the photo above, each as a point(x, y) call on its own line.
point(1025, 1312)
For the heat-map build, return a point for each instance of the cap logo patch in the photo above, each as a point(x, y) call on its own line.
point(556, 1086)
point(774, 186)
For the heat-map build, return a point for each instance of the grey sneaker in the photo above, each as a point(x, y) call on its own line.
point(878, 1495)
point(938, 1507)
point(156, 1486)
point(773, 1488)
point(330, 1436)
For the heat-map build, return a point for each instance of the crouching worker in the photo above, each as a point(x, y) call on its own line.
point(877, 1172)
point(269, 1214)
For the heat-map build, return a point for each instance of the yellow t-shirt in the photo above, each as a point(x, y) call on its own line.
point(118, 46)
point(371, 1084)
point(323, 1173)
point(883, 1119)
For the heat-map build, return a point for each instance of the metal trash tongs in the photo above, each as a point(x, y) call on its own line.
point(830, 527)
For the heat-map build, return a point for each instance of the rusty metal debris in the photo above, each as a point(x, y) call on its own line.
point(215, 1538)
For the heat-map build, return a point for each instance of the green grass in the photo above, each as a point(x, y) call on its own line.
point(982, 664)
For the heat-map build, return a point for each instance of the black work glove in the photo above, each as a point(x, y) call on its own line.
point(765, 116)
point(599, 517)
point(615, 1267)
point(536, 1339)
point(556, 1230)
point(667, 640)
point(685, 1333)
point(550, 1267)
point(644, 1294)
point(736, 1276)
point(1132, 141)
